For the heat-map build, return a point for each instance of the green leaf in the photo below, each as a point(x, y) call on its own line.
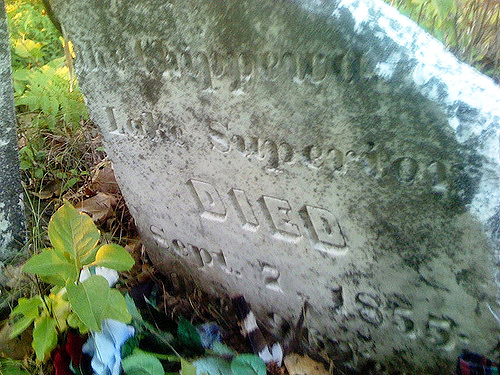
point(248, 364)
point(20, 325)
point(27, 306)
point(212, 366)
point(187, 368)
point(44, 337)
point(113, 256)
point(188, 335)
point(28, 309)
point(11, 369)
point(117, 307)
point(132, 309)
point(89, 300)
point(141, 363)
point(73, 233)
point(74, 322)
point(49, 263)
point(220, 349)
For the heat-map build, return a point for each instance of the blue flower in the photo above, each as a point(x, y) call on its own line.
point(104, 347)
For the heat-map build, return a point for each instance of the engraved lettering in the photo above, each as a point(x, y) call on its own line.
point(149, 126)
point(217, 64)
point(405, 169)
point(171, 64)
point(246, 65)
point(203, 66)
point(334, 160)
point(244, 210)
point(239, 142)
point(269, 65)
point(209, 200)
point(268, 151)
point(196, 256)
point(401, 313)
point(438, 330)
point(305, 66)
point(111, 118)
point(313, 156)
point(319, 67)
point(206, 258)
point(324, 230)
point(186, 63)
point(436, 174)
point(153, 56)
point(179, 247)
point(369, 309)
point(158, 236)
point(289, 64)
point(218, 137)
point(278, 213)
point(285, 152)
point(271, 277)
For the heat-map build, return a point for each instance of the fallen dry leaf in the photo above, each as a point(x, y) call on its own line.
point(297, 364)
point(16, 348)
point(51, 189)
point(99, 207)
point(104, 180)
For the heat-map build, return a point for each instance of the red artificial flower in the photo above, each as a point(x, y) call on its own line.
point(74, 343)
point(61, 361)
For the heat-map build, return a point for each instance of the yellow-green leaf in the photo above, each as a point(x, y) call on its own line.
point(113, 256)
point(73, 233)
point(187, 368)
point(89, 300)
point(117, 307)
point(49, 263)
point(44, 337)
point(26, 48)
point(60, 310)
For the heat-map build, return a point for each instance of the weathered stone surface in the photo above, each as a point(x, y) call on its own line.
point(11, 191)
point(306, 150)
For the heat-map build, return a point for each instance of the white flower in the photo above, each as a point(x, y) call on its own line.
point(108, 273)
point(105, 346)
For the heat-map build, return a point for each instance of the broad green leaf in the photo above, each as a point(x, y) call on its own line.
point(20, 325)
point(53, 280)
point(49, 263)
point(188, 335)
point(248, 364)
point(74, 233)
point(141, 363)
point(212, 366)
point(132, 309)
point(28, 309)
point(27, 306)
point(11, 369)
point(117, 307)
point(44, 337)
point(113, 256)
point(89, 300)
point(187, 368)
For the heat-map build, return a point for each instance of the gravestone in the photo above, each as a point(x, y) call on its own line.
point(11, 192)
point(306, 151)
